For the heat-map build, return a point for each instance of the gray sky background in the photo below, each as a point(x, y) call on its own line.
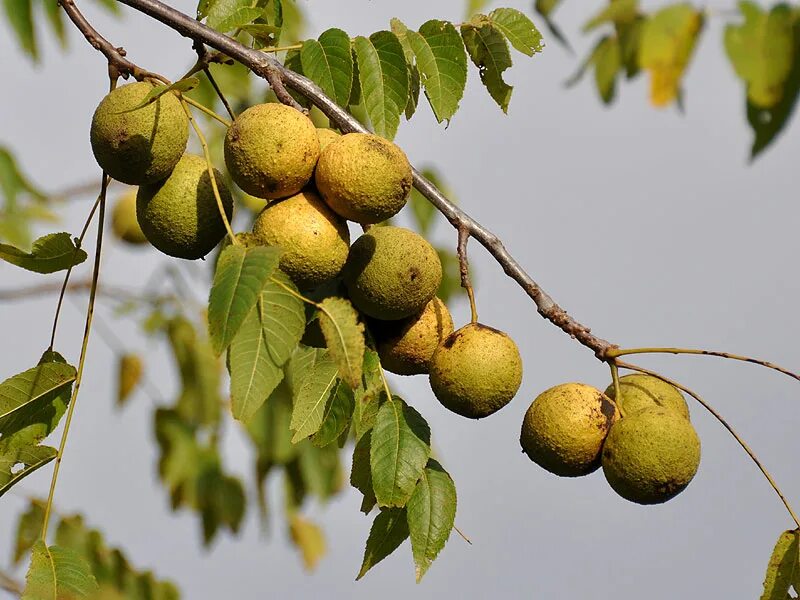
point(646, 225)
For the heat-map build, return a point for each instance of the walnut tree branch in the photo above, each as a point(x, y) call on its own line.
point(267, 67)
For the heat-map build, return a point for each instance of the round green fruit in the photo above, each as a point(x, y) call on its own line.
point(406, 346)
point(565, 427)
point(179, 215)
point(640, 391)
point(391, 273)
point(271, 150)
point(143, 145)
point(476, 371)
point(315, 240)
point(651, 456)
point(123, 220)
point(364, 177)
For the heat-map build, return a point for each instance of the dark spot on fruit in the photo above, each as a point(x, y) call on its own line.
point(487, 328)
point(451, 339)
point(413, 273)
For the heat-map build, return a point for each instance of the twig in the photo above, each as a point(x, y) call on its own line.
point(108, 291)
point(726, 425)
point(118, 65)
point(463, 266)
point(10, 584)
point(84, 346)
point(762, 363)
point(267, 66)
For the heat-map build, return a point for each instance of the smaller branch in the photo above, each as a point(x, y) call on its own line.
point(211, 175)
point(9, 584)
point(113, 292)
point(273, 76)
point(726, 425)
point(762, 363)
point(463, 537)
point(463, 265)
point(206, 110)
point(222, 97)
point(118, 65)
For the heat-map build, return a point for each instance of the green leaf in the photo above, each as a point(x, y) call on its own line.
point(761, 50)
point(400, 450)
point(199, 400)
point(618, 12)
point(607, 60)
point(265, 35)
point(320, 469)
point(360, 472)
point(254, 375)
point(20, 17)
point(312, 398)
point(383, 78)
point(300, 366)
point(50, 253)
point(269, 428)
point(388, 531)
point(518, 29)
point(665, 48)
point(226, 15)
point(58, 573)
point(424, 212)
point(783, 570)
point(129, 374)
point(401, 31)
point(442, 64)
point(240, 276)
point(282, 316)
point(29, 529)
point(545, 8)
point(238, 18)
point(431, 513)
point(344, 336)
point(336, 417)
point(34, 401)
point(488, 50)
point(17, 462)
point(182, 85)
point(329, 63)
point(369, 395)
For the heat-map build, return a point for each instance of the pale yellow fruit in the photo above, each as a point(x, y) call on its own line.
point(640, 391)
point(651, 456)
point(326, 136)
point(271, 150)
point(364, 177)
point(180, 215)
point(123, 220)
point(315, 240)
point(565, 427)
point(476, 371)
point(143, 145)
point(406, 346)
point(392, 273)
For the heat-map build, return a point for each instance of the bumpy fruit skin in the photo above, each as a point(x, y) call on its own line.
point(392, 273)
point(565, 427)
point(640, 391)
point(406, 346)
point(123, 220)
point(271, 150)
point(179, 215)
point(143, 145)
point(651, 456)
point(315, 240)
point(476, 371)
point(326, 136)
point(364, 177)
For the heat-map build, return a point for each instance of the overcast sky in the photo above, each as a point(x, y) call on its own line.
point(646, 225)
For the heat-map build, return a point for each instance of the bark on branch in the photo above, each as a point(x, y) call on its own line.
point(267, 67)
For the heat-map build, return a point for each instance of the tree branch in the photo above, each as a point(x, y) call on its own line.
point(118, 65)
point(11, 585)
point(108, 291)
point(266, 66)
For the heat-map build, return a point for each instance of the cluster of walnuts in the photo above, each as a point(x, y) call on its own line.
point(314, 182)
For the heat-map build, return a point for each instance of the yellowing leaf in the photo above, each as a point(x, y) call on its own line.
point(344, 336)
point(58, 573)
point(129, 373)
point(783, 570)
point(308, 537)
point(668, 39)
point(761, 50)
